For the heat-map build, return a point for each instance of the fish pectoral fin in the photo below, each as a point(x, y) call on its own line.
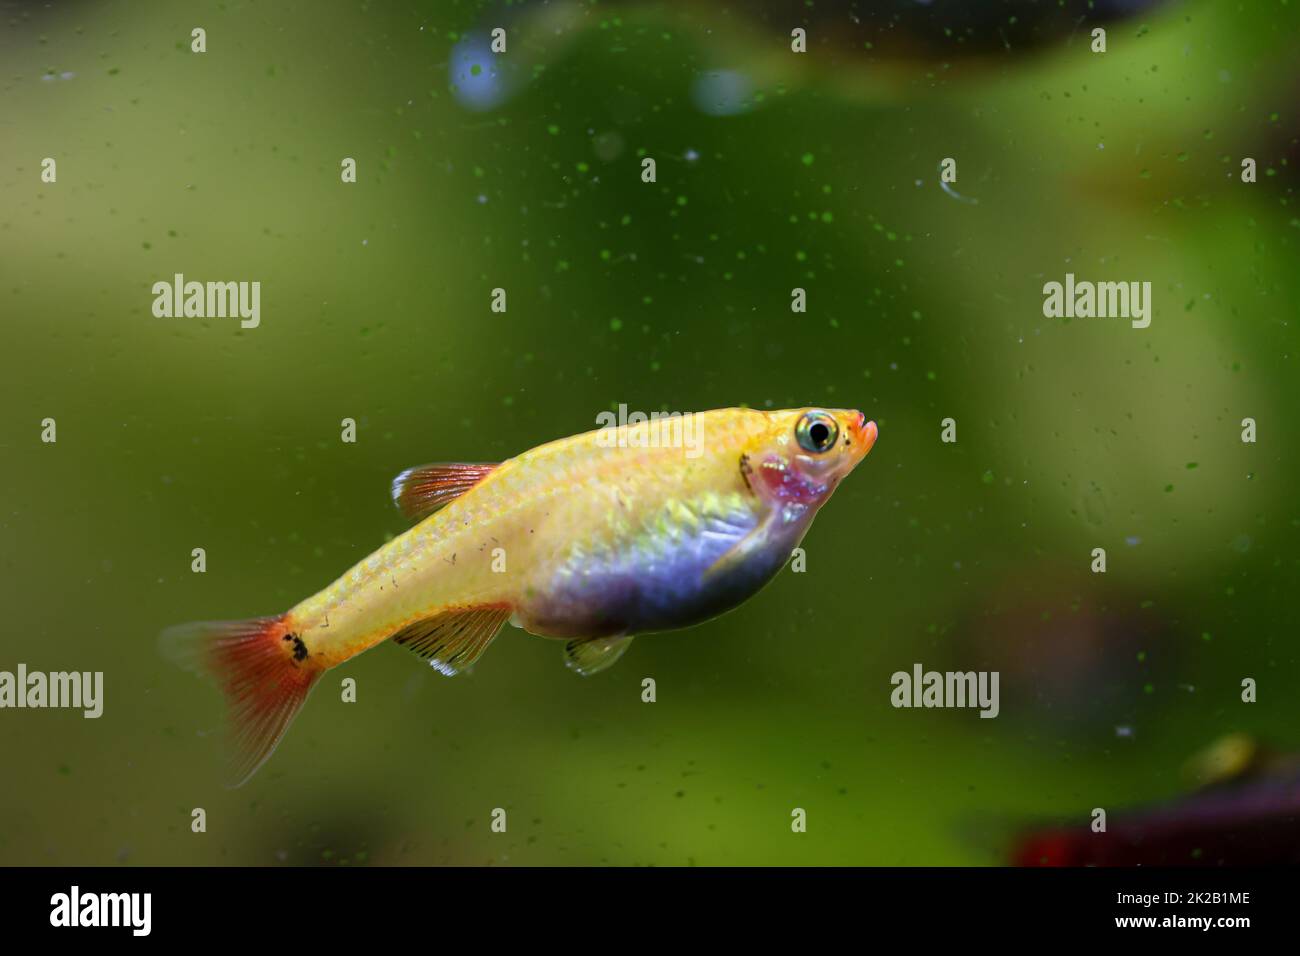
point(422, 490)
point(451, 641)
point(738, 553)
point(591, 655)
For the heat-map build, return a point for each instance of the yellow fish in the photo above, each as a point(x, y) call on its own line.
point(648, 526)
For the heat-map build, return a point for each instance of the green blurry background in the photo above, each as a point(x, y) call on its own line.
point(523, 172)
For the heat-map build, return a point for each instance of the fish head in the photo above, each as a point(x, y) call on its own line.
point(799, 457)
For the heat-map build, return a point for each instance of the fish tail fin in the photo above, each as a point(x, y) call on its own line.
point(262, 669)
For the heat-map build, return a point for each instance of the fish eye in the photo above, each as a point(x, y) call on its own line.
point(816, 432)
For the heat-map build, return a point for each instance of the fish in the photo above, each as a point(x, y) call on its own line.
point(1245, 811)
point(590, 540)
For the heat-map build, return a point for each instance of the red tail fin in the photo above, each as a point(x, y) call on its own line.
point(262, 668)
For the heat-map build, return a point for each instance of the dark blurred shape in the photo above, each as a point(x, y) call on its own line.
point(933, 29)
point(870, 44)
point(1247, 814)
point(335, 837)
point(1073, 649)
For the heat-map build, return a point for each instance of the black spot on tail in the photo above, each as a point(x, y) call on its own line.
point(299, 648)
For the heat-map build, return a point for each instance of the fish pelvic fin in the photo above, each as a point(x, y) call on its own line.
point(419, 492)
point(452, 640)
point(265, 672)
point(591, 655)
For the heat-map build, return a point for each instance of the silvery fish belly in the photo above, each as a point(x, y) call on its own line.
point(591, 539)
point(663, 575)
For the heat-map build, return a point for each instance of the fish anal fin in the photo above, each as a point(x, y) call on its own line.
point(422, 490)
point(452, 640)
point(591, 655)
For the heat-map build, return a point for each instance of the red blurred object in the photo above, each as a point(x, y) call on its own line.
point(1252, 819)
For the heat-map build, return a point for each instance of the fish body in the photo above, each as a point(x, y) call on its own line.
point(1253, 822)
point(1245, 812)
point(591, 539)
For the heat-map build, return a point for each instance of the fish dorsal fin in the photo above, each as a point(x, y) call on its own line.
point(453, 640)
point(592, 655)
point(421, 491)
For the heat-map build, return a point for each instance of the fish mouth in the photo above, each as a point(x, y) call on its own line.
point(865, 433)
